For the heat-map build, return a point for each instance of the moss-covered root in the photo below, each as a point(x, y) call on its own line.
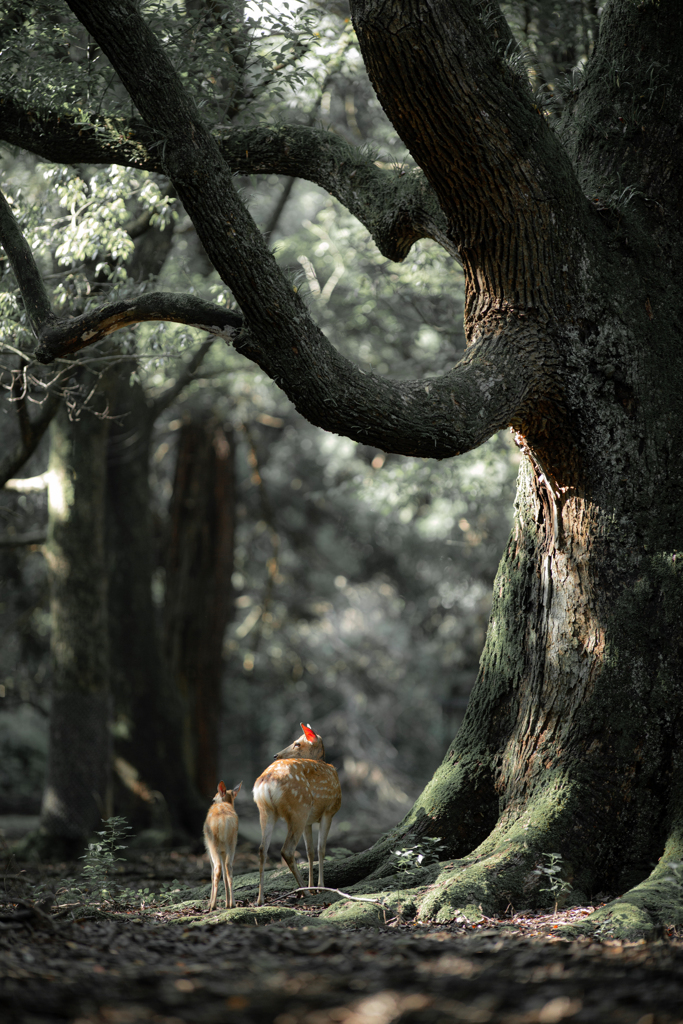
point(490, 883)
point(521, 864)
point(655, 903)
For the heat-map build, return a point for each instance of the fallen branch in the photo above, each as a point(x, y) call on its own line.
point(30, 910)
point(323, 888)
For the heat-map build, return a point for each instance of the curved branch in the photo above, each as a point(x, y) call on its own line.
point(441, 71)
point(25, 269)
point(622, 127)
point(68, 336)
point(433, 418)
point(397, 207)
point(438, 417)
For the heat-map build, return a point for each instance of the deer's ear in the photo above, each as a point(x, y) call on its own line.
point(308, 733)
point(237, 788)
point(221, 787)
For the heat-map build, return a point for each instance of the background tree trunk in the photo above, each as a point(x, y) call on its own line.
point(77, 792)
point(148, 710)
point(198, 586)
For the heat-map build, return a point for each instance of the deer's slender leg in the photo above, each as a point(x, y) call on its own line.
point(215, 875)
point(323, 832)
point(308, 839)
point(289, 851)
point(230, 859)
point(267, 825)
point(225, 878)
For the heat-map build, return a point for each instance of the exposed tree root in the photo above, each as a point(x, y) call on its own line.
point(653, 904)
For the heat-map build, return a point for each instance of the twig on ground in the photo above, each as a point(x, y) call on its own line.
point(30, 910)
point(323, 888)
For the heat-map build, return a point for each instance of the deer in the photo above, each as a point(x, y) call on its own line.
point(303, 789)
point(220, 839)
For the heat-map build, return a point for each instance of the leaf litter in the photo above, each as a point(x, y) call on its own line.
point(157, 963)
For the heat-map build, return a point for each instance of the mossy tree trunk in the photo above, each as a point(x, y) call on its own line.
point(570, 239)
point(572, 738)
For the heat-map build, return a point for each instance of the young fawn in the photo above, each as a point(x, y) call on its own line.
point(301, 788)
point(220, 839)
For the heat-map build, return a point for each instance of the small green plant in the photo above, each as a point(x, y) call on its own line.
point(101, 856)
point(550, 872)
point(95, 888)
point(424, 851)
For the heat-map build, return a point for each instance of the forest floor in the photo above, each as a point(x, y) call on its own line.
point(73, 951)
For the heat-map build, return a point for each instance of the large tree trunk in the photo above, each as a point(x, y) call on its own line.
point(572, 738)
point(77, 791)
point(198, 587)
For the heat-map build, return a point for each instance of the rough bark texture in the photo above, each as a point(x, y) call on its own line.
point(198, 588)
point(572, 739)
point(66, 337)
point(446, 416)
point(77, 791)
point(570, 241)
point(396, 206)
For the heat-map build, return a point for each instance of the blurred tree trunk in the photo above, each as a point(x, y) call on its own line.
point(77, 791)
point(198, 586)
point(148, 710)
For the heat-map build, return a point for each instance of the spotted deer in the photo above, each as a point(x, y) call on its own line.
point(303, 789)
point(220, 839)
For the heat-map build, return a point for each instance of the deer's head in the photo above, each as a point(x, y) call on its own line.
point(226, 796)
point(309, 745)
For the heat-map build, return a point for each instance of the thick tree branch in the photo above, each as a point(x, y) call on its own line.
point(508, 189)
point(436, 418)
point(25, 270)
point(68, 336)
point(623, 127)
point(397, 207)
point(62, 137)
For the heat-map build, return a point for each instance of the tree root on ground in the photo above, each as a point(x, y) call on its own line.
point(652, 906)
point(517, 867)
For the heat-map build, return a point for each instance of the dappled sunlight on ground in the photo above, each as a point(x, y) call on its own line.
point(131, 960)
